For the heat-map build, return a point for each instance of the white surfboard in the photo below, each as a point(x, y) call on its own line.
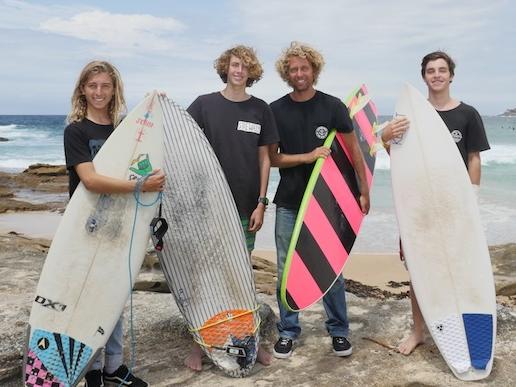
point(85, 281)
point(204, 258)
point(443, 240)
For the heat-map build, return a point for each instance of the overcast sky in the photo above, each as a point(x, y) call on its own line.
point(170, 45)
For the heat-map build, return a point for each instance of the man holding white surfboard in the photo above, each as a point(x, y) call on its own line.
point(305, 117)
point(240, 128)
point(97, 106)
point(467, 130)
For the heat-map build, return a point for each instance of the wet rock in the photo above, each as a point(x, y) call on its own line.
point(39, 177)
point(45, 170)
point(37, 180)
point(506, 289)
point(6, 193)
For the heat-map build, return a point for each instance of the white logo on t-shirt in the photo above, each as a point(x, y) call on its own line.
point(321, 132)
point(456, 135)
point(250, 127)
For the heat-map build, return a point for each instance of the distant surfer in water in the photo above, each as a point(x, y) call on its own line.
point(97, 106)
point(467, 130)
point(240, 128)
point(305, 117)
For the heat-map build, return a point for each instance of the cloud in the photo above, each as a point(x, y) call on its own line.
point(383, 26)
point(20, 15)
point(377, 42)
point(172, 45)
point(120, 32)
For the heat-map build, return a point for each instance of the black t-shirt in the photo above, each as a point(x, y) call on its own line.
point(303, 126)
point(82, 141)
point(466, 128)
point(235, 130)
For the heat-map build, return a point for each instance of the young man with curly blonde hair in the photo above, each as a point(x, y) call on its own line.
point(305, 117)
point(240, 128)
point(97, 106)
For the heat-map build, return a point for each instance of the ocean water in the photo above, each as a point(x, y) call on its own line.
point(33, 139)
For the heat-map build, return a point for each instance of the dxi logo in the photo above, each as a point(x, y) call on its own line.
point(47, 303)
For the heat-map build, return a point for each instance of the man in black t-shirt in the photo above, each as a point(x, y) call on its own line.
point(97, 104)
point(83, 139)
point(304, 118)
point(240, 129)
point(466, 129)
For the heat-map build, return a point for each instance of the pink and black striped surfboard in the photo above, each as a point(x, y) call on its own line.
point(329, 218)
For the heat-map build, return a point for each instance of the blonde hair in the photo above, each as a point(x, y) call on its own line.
point(79, 105)
point(303, 51)
point(247, 55)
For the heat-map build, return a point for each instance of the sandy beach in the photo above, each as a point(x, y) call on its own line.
point(373, 269)
point(36, 224)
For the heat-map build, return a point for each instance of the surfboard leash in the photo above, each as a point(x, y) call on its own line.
point(136, 194)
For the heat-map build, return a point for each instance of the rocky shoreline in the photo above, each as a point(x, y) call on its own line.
point(379, 319)
point(38, 179)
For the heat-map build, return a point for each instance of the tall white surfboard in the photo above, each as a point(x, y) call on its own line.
point(85, 281)
point(443, 239)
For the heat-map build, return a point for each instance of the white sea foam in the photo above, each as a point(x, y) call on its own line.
point(6, 128)
point(19, 164)
point(499, 154)
point(382, 160)
point(25, 135)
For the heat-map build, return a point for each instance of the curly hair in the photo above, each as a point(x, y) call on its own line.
point(437, 55)
point(247, 55)
point(301, 50)
point(79, 104)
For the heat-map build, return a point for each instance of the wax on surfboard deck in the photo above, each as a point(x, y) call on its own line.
point(443, 239)
point(330, 216)
point(205, 259)
point(84, 283)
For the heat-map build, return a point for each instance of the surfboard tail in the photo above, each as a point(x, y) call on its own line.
point(54, 359)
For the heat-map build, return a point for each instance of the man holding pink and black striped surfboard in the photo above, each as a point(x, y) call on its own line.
point(306, 118)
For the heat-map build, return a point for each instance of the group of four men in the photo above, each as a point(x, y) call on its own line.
point(249, 136)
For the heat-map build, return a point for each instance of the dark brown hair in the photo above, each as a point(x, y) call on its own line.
point(437, 55)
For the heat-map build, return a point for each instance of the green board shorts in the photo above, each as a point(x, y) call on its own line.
point(250, 237)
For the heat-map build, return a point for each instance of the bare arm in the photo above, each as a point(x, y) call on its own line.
point(98, 183)
point(264, 162)
point(474, 167)
point(394, 129)
point(283, 160)
point(357, 158)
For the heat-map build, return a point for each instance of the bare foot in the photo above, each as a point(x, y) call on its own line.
point(263, 357)
point(408, 345)
point(194, 360)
